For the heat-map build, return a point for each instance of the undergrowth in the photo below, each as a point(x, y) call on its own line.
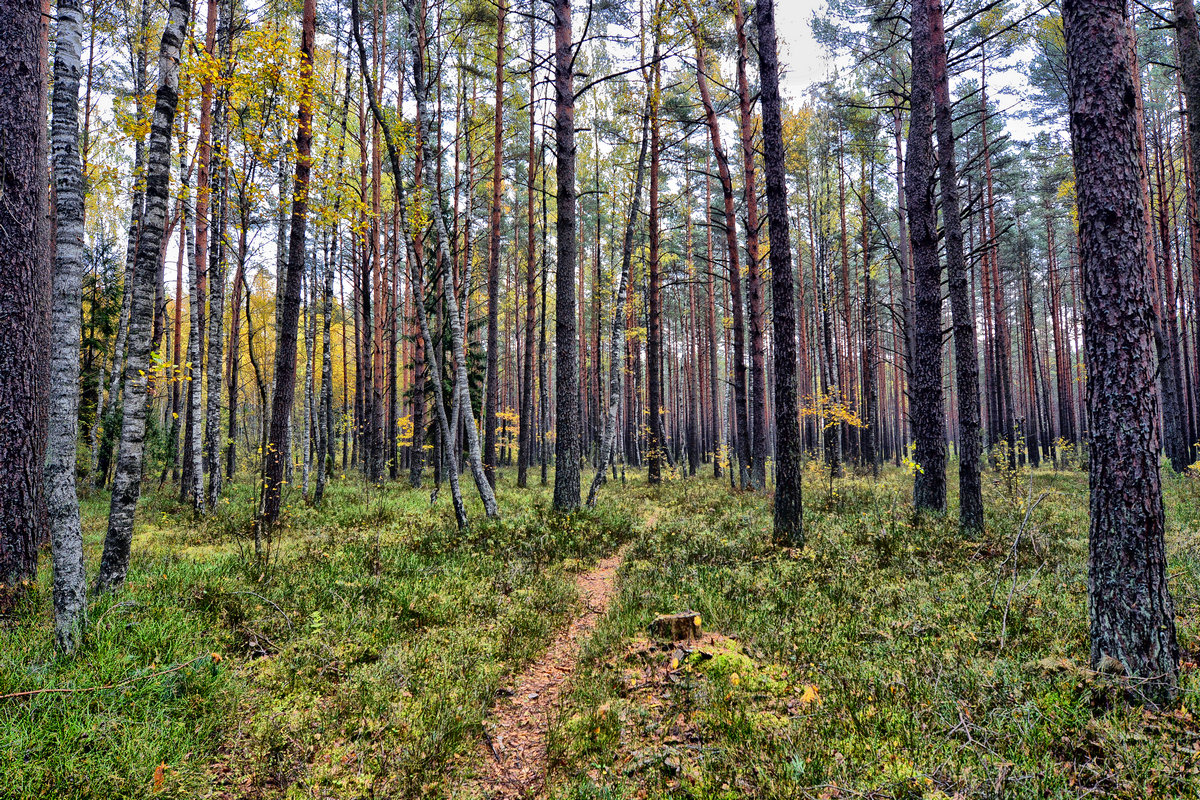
point(358, 663)
point(891, 658)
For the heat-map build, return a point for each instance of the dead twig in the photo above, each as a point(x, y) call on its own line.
point(116, 685)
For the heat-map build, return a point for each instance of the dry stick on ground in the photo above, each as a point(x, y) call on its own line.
point(116, 685)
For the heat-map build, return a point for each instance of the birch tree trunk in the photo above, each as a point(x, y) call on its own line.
point(127, 480)
point(62, 502)
point(216, 266)
point(103, 458)
point(192, 488)
point(442, 250)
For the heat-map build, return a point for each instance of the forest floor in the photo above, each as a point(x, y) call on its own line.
point(380, 650)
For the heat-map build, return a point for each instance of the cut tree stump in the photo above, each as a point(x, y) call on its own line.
point(684, 625)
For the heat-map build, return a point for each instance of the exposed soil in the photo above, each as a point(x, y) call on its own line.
point(513, 754)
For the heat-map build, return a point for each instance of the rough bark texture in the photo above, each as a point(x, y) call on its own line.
point(525, 431)
point(754, 293)
point(492, 399)
point(62, 503)
point(966, 357)
point(741, 424)
point(127, 481)
point(925, 383)
point(25, 290)
point(1130, 608)
point(289, 308)
point(1188, 36)
point(566, 400)
point(789, 469)
point(655, 441)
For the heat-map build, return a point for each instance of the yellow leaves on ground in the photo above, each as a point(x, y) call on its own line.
point(810, 695)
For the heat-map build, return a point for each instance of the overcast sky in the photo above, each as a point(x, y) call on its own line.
point(799, 55)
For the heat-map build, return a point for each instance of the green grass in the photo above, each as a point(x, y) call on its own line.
point(897, 624)
point(876, 662)
point(359, 664)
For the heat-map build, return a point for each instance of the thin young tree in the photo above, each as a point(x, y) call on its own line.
point(431, 162)
point(62, 502)
point(525, 430)
point(966, 357)
point(754, 291)
point(127, 480)
point(492, 389)
point(789, 468)
point(1130, 607)
point(289, 305)
point(656, 445)
point(616, 347)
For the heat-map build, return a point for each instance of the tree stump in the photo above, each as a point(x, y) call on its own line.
point(684, 625)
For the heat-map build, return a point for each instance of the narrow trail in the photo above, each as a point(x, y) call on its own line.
point(513, 755)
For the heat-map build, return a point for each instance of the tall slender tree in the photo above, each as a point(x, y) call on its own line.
point(928, 415)
point(789, 470)
point(966, 357)
point(62, 502)
point(568, 434)
point(127, 480)
point(289, 309)
point(492, 399)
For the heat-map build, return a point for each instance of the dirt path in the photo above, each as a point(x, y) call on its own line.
point(513, 755)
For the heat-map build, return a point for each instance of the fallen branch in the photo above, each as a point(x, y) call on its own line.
point(116, 685)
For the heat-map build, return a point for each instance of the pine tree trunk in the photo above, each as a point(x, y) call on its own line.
point(655, 444)
point(966, 357)
point(26, 285)
point(289, 305)
point(616, 347)
point(127, 480)
point(567, 412)
point(789, 447)
point(492, 399)
point(1130, 608)
point(925, 383)
point(754, 292)
point(741, 433)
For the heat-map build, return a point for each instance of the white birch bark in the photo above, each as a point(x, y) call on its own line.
point(127, 480)
point(62, 502)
